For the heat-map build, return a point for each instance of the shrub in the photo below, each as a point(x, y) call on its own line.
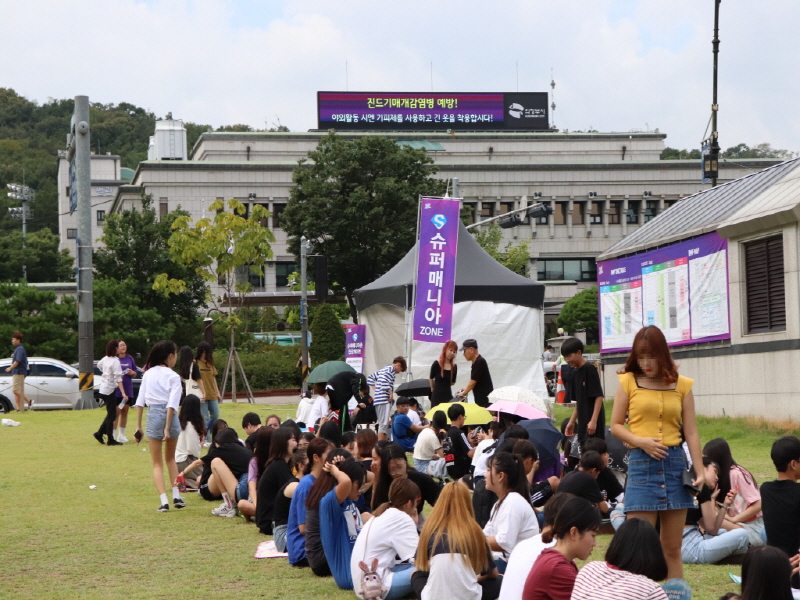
point(271, 367)
point(327, 341)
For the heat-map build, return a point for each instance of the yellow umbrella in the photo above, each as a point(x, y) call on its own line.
point(476, 415)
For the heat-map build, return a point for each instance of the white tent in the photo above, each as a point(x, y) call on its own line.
point(498, 308)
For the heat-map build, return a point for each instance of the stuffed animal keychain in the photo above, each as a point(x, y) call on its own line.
point(372, 587)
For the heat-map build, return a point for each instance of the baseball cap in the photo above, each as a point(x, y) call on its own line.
point(470, 343)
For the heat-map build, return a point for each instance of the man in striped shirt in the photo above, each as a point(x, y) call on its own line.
point(383, 382)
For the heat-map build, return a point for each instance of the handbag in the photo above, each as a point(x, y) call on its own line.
point(687, 476)
point(191, 387)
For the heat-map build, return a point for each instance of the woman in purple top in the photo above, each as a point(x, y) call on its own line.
point(129, 371)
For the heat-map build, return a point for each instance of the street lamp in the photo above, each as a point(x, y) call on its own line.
point(22, 213)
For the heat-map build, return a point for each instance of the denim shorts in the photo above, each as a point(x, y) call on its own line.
point(655, 485)
point(242, 491)
point(157, 422)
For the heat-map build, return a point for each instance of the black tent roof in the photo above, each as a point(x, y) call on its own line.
point(479, 277)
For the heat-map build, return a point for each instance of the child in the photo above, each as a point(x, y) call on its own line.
point(780, 499)
point(606, 480)
point(586, 392)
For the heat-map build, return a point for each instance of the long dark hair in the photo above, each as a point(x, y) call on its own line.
point(185, 362)
point(512, 467)
point(159, 354)
point(575, 512)
point(401, 492)
point(204, 352)
point(383, 481)
point(111, 347)
point(326, 482)
point(315, 450)
point(279, 444)
point(636, 548)
point(262, 448)
point(766, 573)
point(190, 413)
point(719, 451)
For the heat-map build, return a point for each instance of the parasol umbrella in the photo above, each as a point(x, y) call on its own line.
point(323, 372)
point(476, 415)
point(514, 393)
point(417, 387)
point(545, 437)
point(520, 409)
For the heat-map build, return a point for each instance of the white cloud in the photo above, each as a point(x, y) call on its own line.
point(618, 64)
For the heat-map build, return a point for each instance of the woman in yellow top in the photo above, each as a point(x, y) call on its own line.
point(658, 403)
point(208, 374)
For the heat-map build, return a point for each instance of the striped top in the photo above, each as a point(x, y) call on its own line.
point(383, 382)
point(601, 581)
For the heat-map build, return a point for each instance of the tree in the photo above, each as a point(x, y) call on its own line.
point(215, 249)
point(136, 248)
point(357, 201)
point(327, 335)
point(580, 312)
point(515, 258)
point(675, 154)
point(758, 151)
point(42, 259)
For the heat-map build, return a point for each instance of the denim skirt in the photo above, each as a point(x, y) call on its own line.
point(157, 423)
point(655, 485)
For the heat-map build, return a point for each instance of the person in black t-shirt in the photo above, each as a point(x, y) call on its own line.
point(606, 480)
point(587, 393)
point(251, 423)
point(457, 449)
point(780, 499)
point(480, 381)
point(223, 467)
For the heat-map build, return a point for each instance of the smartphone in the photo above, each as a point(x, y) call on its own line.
point(477, 431)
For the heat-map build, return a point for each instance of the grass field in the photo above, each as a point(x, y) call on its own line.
point(61, 539)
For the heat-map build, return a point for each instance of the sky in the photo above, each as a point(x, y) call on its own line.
point(618, 65)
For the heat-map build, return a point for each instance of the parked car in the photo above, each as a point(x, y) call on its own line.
point(51, 384)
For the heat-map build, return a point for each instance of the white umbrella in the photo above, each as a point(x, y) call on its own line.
point(514, 393)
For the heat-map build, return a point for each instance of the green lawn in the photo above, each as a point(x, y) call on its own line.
point(62, 540)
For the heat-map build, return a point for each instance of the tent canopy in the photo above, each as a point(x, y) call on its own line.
point(478, 278)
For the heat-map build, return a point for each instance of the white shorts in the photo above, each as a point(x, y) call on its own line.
point(382, 410)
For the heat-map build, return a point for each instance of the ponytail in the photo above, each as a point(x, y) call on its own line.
point(401, 492)
point(513, 468)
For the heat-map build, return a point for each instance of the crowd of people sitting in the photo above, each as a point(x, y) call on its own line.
point(477, 516)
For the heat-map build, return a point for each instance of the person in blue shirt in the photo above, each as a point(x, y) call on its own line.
point(19, 370)
point(339, 518)
point(404, 431)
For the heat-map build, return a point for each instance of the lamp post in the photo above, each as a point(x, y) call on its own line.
point(26, 195)
point(305, 248)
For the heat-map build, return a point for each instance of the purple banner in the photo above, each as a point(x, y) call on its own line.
point(436, 271)
point(355, 336)
point(432, 111)
point(681, 288)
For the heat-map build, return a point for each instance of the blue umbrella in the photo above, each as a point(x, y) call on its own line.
point(545, 437)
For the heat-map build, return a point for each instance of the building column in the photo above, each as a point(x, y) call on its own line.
point(570, 206)
point(606, 211)
point(552, 218)
point(624, 218)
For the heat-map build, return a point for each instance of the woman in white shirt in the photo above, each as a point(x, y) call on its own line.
point(512, 518)
point(110, 379)
point(161, 393)
point(387, 544)
point(193, 430)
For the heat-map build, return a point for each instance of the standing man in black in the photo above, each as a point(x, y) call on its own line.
point(480, 381)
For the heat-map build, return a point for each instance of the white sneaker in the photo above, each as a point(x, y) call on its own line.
point(221, 507)
point(122, 438)
point(224, 511)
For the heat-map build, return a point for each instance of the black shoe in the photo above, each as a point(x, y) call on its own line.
point(163, 508)
point(113, 442)
point(178, 503)
point(98, 436)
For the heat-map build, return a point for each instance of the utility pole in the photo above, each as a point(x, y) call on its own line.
point(27, 196)
point(714, 105)
point(305, 248)
point(79, 152)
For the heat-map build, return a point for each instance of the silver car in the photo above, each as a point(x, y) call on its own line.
point(51, 384)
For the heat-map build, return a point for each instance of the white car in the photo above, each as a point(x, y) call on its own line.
point(51, 384)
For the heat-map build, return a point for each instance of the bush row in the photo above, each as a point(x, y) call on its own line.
point(267, 367)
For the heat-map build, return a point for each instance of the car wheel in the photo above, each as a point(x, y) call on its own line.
point(5, 405)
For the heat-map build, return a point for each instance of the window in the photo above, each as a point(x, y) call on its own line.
point(282, 272)
point(45, 370)
point(264, 222)
point(468, 213)
point(277, 211)
point(506, 207)
point(487, 210)
point(577, 213)
point(651, 210)
point(596, 214)
point(101, 217)
point(560, 213)
point(616, 212)
point(576, 269)
point(765, 292)
point(72, 234)
point(632, 216)
point(163, 207)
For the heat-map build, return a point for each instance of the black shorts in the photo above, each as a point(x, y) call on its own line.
point(206, 493)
